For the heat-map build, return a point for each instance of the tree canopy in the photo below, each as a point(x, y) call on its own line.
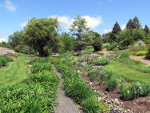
point(42, 35)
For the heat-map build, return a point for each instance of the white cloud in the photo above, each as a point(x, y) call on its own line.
point(93, 22)
point(23, 24)
point(1, 37)
point(3, 40)
point(66, 21)
point(107, 30)
point(9, 5)
point(123, 27)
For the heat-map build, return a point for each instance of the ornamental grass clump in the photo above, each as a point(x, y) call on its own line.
point(93, 74)
point(111, 84)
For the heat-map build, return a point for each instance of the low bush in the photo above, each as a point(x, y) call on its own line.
point(91, 103)
point(93, 75)
point(4, 60)
point(141, 53)
point(111, 84)
point(99, 61)
point(39, 67)
point(112, 46)
point(77, 89)
point(135, 90)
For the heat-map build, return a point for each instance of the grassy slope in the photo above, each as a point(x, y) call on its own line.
point(14, 72)
point(128, 73)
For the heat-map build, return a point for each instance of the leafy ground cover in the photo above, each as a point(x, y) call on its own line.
point(35, 94)
point(15, 71)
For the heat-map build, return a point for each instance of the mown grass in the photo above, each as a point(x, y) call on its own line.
point(135, 65)
point(128, 73)
point(14, 72)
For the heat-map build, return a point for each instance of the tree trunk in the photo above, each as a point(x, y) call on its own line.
point(42, 53)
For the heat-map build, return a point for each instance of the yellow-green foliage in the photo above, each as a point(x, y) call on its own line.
point(141, 53)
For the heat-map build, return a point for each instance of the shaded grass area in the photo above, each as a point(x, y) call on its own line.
point(128, 73)
point(14, 72)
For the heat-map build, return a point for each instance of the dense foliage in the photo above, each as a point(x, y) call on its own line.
point(4, 60)
point(35, 94)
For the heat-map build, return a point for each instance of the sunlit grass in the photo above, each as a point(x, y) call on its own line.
point(128, 73)
point(14, 72)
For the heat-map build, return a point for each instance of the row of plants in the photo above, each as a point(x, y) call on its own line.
point(128, 89)
point(36, 94)
point(77, 88)
point(4, 60)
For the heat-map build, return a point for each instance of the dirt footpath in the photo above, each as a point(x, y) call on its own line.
point(141, 59)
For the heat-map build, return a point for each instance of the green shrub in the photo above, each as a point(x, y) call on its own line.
point(91, 105)
point(141, 53)
point(39, 67)
point(124, 55)
point(112, 46)
point(4, 60)
point(111, 84)
point(99, 61)
point(135, 90)
point(93, 75)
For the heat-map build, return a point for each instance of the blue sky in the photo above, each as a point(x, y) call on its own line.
point(100, 14)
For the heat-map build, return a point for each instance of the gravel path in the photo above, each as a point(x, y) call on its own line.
point(65, 104)
point(4, 51)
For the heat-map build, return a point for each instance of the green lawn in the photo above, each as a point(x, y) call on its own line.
point(128, 73)
point(14, 72)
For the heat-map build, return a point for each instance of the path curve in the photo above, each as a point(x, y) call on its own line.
point(65, 104)
point(141, 59)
